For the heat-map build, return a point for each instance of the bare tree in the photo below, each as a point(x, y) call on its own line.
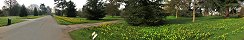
point(10, 4)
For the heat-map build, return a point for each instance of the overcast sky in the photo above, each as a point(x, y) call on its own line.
point(78, 3)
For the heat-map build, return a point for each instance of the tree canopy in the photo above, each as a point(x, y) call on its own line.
point(71, 11)
point(94, 9)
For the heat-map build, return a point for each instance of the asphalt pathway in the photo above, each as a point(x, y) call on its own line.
point(45, 28)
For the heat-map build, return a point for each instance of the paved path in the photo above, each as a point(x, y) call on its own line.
point(45, 28)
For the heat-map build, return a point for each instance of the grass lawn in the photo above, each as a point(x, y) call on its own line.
point(15, 19)
point(77, 20)
point(207, 28)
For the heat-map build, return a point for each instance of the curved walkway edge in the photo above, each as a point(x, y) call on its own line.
point(70, 28)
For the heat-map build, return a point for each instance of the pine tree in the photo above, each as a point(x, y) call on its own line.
point(35, 12)
point(23, 11)
point(112, 8)
point(143, 12)
point(71, 11)
point(94, 9)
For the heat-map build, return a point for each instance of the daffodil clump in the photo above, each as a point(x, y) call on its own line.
point(68, 20)
point(105, 24)
point(77, 20)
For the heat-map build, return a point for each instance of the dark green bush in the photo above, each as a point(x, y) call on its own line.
point(143, 12)
point(23, 11)
point(35, 12)
point(81, 14)
point(1, 13)
point(71, 11)
point(94, 9)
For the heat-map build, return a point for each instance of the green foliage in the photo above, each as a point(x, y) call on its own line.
point(143, 12)
point(61, 4)
point(43, 9)
point(35, 12)
point(81, 14)
point(4, 11)
point(58, 12)
point(112, 8)
point(23, 11)
point(206, 28)
point(94, 9)
point(13, 7)
point(15, 10)
point(5, 19)
point(15, 19)
point(1, 13)
point(71, 11)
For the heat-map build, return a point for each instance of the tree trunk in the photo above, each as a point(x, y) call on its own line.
point(176, 14)
point(194, 12)
point(227, 14)
point(241, 12)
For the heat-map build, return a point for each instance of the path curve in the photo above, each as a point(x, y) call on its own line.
point(45, 28)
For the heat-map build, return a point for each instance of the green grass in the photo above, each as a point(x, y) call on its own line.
point(207, 28)
point(15, 19)
point(77, 20)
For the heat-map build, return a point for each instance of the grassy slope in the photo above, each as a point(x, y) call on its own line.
point(77, 20)
point(15, 19)
point(213, 28)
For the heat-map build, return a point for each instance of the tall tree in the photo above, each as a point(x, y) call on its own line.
point(43, 9)
point(13, 7)
point(194, 11)
point(144, 12)
point(227, 5)
point(241, 6)
point(32, 7)
point(94, 9)
point(23, 11)
point(60, 5)
point(1, 13)
point(210, 5)
point(35, 12)
point(5, 11)
point(112, 8)
point(15, 10)
point(175, 6)
point(71, 11)
point(49, 10)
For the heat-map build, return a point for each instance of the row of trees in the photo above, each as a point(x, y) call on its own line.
point(224, 7)
point(64, 8)
point(151, 12)
point(99, 9)
point(12, 8)
point(14, 11)
point(136, 12)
